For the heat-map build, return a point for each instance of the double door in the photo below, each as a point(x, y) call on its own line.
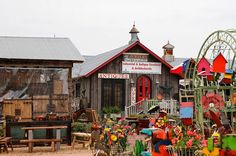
point(113, 93)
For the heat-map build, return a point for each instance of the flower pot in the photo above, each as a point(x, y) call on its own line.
point(115, 115)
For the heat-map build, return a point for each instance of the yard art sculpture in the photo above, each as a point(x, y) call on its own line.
point(215, 90)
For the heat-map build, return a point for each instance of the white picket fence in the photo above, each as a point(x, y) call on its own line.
point(170, 106)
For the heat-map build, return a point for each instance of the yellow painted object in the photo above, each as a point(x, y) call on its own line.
point(206, 152)
point(228, 76)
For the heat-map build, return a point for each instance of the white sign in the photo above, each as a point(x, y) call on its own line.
point(141, 67)
point(113, 76)
point(133, 95)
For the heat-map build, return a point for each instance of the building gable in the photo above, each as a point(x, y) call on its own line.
point(137, 46)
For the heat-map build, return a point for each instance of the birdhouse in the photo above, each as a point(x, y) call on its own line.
point(203, 67)
point(227, 79)
point(219, 64)
point(186, 112)
point(228, 74)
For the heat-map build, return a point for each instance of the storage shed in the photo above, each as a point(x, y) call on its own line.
point(36, 76)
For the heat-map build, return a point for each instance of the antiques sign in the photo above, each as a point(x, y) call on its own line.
point(133, 95)
point(136, 57)
point(113, 76)
point(141, 67)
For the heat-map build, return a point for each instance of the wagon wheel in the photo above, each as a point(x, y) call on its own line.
point(219, 42)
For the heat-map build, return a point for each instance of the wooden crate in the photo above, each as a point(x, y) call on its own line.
point(18, 107)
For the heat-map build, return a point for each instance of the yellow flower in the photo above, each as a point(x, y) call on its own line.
point(107, 129)
point(101, 137)
point(113, 137)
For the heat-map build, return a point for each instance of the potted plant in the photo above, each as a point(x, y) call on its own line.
point(115, 112)
point(106, 111)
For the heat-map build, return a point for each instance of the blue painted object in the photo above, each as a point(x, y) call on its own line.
point(147, 131)
point(186, 112)
point(146, 153)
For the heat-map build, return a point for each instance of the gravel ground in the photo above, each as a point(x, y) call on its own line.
point(46, 151)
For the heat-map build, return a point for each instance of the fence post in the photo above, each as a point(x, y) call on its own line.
point(126, 111)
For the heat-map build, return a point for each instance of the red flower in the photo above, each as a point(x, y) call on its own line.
point(189, 143)
point(194, 133)
point(189, 133)
point(204, 143)
point(127, 127)
point(198, 137)
point(174, 140)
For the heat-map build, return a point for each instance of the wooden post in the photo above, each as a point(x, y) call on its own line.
point(30, 136)
point(53, 146)
point(70, 90)
point(58, 136)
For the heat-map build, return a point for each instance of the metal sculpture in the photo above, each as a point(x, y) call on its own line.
point(217, 46)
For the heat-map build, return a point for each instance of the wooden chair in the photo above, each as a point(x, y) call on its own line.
point(5, 142)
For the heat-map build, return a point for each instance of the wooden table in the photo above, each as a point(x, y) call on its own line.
point(84, 138)
point(31, 140)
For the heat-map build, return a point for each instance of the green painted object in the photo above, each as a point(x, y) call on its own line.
point(229, 142)
point(210, 144)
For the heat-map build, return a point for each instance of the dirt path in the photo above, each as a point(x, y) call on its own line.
point(46, 151)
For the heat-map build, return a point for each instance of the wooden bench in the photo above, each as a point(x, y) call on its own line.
point(4, 142)
point(32, 141)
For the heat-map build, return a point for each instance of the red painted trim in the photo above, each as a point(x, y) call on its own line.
point(125, 50)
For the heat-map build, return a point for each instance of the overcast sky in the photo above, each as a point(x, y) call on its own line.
point(96, 26)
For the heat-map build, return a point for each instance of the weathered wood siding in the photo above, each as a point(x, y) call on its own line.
point(39, 102)
point(92, 84)
point(19, 107)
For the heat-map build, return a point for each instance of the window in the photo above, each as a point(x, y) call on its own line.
point(113, 93)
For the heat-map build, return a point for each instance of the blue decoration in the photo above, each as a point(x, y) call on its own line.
point(186, 112)
point(185, 63)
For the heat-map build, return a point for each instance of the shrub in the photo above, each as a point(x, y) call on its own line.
point(106, 110)
point(81, 127)
point(111, 109)
point(115, 109)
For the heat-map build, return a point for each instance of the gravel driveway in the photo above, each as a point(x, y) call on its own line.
point(46, 151)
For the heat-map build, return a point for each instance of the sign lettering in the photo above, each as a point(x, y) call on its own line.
point(141, 67)
point(113, 76)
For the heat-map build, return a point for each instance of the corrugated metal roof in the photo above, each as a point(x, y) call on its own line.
point(38, 48)
point(94, 62)
point(177, 61)
point(77, 66)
